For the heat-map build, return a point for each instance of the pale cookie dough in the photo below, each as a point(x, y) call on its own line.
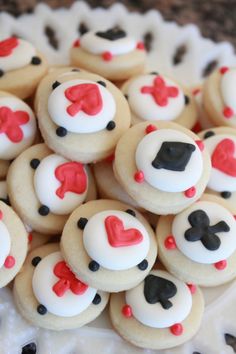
point(14, 242)
point(4, 165)
point(161, 312)
point(109, 245)
point(44, 188)
point(21, 67)
point(112, 54)
point(3, 192)
point(203, 121)
point(81, 115)
point(153, 96)
point(49, 295)
point(162, 165)
point(199, 244)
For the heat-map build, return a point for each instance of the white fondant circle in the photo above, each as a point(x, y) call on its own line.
point(5, 242)
point(228, 89)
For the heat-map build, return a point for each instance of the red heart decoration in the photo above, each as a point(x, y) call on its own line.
point(118, 236)
point(7, 46)
point(223, 157)
point(84, 97)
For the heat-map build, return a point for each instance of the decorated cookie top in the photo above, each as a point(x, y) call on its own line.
point(15, 53)
point(5, 241)
point(169, 160)
point(58, 289)
point(17, 127)
point(116, 240)
point(60, 184)
point(160, 301)
point(205, 232)
point(154, 97)
point(81, 106)
point(227, 89)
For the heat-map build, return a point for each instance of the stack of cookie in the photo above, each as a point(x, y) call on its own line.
point(163, 223)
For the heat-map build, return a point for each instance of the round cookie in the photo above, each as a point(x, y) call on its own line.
point(199, 244)
point(203, 121)
point(161, 312)
point(49, 295)
point(112, 54)
point(21, 67)
point(155, 97)
point(3, 192)
point(14, 244)
point(219, 97)
point(44, 188)
point(4, 165)
point(81, 115)
point(162, 165)
point(123, 234)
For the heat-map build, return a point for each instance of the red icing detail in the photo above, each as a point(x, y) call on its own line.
point(72, 177)
point(139, 176)
point(160, 91)
point(196, 91)
point(170, 243)
point(127, 311)
point(107, 56)
point(140, 46)
point(200, 144)
point(197, 128)
point(9, 262)
point(221, 264)
point(223, 69)
point(118, 236)
point(150, 128)
point(76, 43)
point(110, 158)
point(223, 157)
point(228, 112)
point(10, 123)
point(192, 288)
point(30, 238)
point(1, 214)
point(189, 193)
point(234, 216)
point(67, 281)
point(176, 329)
point(7, 46)
point(84, 97)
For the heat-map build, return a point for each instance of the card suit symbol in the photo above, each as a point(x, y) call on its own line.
point(223, 157)
point(112, 34)
point(7, 46)
point(160, 91)
point(10, 123)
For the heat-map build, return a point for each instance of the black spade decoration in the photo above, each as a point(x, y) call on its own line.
point(173, 156)
point(112, 34)
point(201, 230)
point(157, 289)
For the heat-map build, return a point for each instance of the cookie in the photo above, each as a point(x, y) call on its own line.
point(203, 121)
point(112, 54)
point(49, 295)
point(14, 244)
point(162, 165)
point(161, 312)
point(21, 67)
point(3, 192)
point(199, 245)
point(101, 233)
point(44, 188)
point(4, 165)
point(81, 115)
point(156, 97)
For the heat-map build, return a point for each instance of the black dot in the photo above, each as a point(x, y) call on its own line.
point(154, 73)
point(225, 194)
point(1, 73)
point(186, 99)
point(42, 310)
point(29, 349)
point(34, 163)
point(81, 223)
point(111, 125)
point(93, 266)
point(97, 299)
point(44, 210)
point(143, 265)
point(126, 96)
point(102, 83)
point(208, 134)
point(36, 61)
point(75, 70)
point(61, 132)
point(131, 212)
point(35, 261)
point(55, 84)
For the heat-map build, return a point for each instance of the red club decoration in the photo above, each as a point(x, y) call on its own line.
point(160, 91)
point(223, 157)
point(84, 97)
point(118, 236)
point(72, 177)
point(10, 123)
point(67, 280)
point(7, 46)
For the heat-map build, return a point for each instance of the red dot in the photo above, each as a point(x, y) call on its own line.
point(176, 329)
point(139, 176)
point(150, 128)
point(127, 311)
point(223, 69)
point(192, 288)
point(197, 128)
point(200, 144)
point(228, 112)
point(76, 43)
point(196, 91)
point(107, 56)
point(9, 262)
point(234, 216)
point(221, 264)
point(1, 214)
point(30, 237)
point(140, 45)
point(189, 193)
point(110, 158)
point(170, 243)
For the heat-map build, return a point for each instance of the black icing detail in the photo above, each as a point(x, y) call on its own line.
point(43, 210)
point(112, 34)
point(36, 61)
point(230, 340)
point(93, 266)
point(111, 125)
point(102, 83)
point(154, 73)
point(143, 265)
point(158, 289)
point(35, 261)
point(55, 84)
point(34, 163)
point(201, 230)
point(81, 223)
point(97, 299)
point(226, 194)
point(208, 134)
point(61, 132)
point(131, 212)
point(41, 309)
point(173, 156)
point(1, 73)
point(186, 100)
point(30, 348)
